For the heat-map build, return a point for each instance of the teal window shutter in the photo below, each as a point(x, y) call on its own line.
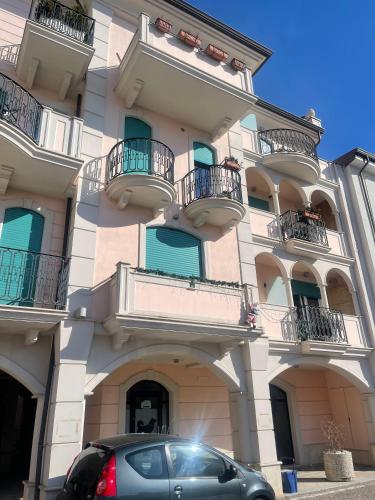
point(304, 289)
point(137, 154)
point(203, 155)
point(173, 251)
point(259, 203)
point(22, 230)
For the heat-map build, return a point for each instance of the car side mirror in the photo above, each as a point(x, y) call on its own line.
point(229, 474)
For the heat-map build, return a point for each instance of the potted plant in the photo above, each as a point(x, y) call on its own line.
point(231, 162)
point(338, 463)
point(311, 213)
point(237, 65)
point(163, 25)
point(216, 53)
point(189, 39)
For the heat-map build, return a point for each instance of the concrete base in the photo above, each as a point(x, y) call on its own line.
point(273, 476)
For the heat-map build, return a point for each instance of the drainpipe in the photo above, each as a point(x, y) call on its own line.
point(43, 423)
point(51, 366)
point(366, 196)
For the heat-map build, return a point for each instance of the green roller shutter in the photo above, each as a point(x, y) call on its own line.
point(204, 158)
point(137, 154)
point(22, 230)
point(203, 155)
point(173, 251)
point(259, 203)
point(304, 289)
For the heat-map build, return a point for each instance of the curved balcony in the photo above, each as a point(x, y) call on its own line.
point(290, 152)
point(141, 172)
point(20, 108)
point(213, 196)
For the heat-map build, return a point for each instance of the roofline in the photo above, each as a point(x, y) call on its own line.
point(347, 158)
point(224, 28)
point(290, 116)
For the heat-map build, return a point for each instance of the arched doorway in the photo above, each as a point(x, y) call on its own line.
point(17, 418)
point(147, 408)
point(281, 423)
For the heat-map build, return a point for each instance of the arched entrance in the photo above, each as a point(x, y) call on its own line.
point(17, 417)
point(147, 408)
point(281, 423)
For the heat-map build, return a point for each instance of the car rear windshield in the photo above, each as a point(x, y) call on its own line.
point(85, 471)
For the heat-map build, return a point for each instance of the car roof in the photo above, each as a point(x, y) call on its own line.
point(130, 439)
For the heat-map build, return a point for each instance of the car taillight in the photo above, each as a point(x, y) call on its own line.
point(107, 486)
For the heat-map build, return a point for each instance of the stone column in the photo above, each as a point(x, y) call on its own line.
point(254, 411)
point(65, 422)
point(323, 293)
point(370, 401)
point(29, 485)
point(289, 291)
point(276, 203)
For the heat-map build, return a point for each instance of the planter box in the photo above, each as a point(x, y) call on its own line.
point(189, 39)
point(237, 65)
point(162, 25)
point(338, 465)
point(311, 215)
point(232, 164)
point(216, 53)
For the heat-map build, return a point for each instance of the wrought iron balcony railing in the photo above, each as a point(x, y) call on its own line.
point(140, 156)
point(215, 181)
point(33, 279)
point(62, 19)
point(280, 140)
point(20, 108)
point(319, 324)
point(295, 224)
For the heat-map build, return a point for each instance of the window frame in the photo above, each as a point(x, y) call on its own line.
point(164, 461)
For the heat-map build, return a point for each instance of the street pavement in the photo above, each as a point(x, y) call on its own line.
point(361, 491)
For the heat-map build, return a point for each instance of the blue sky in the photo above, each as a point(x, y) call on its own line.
point(324, 57)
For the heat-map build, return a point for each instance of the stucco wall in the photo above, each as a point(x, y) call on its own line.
point(202, 404)
point(13, 15)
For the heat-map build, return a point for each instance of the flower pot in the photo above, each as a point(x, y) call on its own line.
point(216, 53)
point(232, 164)
point(311, 215)
point(162, 25)
point(237, 65)
point(338, 465)
point(189, 39)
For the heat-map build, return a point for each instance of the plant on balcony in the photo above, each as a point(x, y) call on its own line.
point(192, 279)
point(311, 213)
point(338, 463)
point(216, 53)
point(163, 25)
point(237, 65)
point(231, 162)
point(189, 39)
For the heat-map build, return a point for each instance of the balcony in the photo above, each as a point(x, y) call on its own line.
point(40, 148)
point(213, 196)
point(319, 330)
point(290, 152)
point(56, 47)
point(161, 73)
point(304, 232)
point(141, 172)
point(33, 289)
point(143, 304)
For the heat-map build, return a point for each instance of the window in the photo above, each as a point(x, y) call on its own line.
point(138, 149)
point(173, 252)
point(259, 203)
point(149, 463)
point(195, 461)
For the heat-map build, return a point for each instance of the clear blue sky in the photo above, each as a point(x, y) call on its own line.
point(324, 57)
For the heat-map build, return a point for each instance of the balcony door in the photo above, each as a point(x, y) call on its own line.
point(281, 424)
point(20, 245)
point(204, 158)
point(138, 148)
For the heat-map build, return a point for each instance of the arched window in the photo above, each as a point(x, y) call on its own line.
point(20, 244)
point(204, 156)
point(138, 148)
point(173, 251)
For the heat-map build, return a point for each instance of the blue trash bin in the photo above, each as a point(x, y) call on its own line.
point(289, 479)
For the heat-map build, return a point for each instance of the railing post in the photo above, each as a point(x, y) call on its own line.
point(123, 288)
point(144, 28)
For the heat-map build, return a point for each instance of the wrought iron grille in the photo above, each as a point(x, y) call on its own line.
point(294, 224)
point(58, 17)
point(215, 181)
point(20, 108)
point(33, 279)
point(280, 140)
point(140, 156)
point(320, 324)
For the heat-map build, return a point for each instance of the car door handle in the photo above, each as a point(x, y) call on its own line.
point(178, 491)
